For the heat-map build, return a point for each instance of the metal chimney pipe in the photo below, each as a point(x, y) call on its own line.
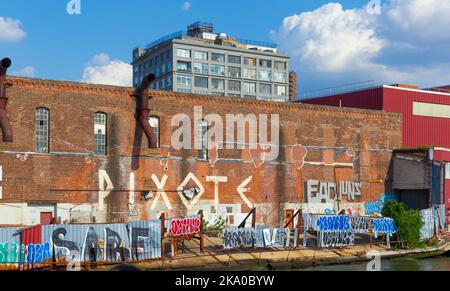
point(144, 110)
point(4, 121)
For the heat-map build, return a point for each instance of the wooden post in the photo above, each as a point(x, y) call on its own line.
point(299, 223)
point(163, 232)
point(254, 218)
point(202, 242)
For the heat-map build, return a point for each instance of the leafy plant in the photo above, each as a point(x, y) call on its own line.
point(216, 228)
point(408, 221)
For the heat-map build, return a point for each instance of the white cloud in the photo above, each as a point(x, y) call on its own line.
point(186, 6)
point(423, 20)
point(102, 70)
point(25, 72)
point(408, 42)
point(10, 29)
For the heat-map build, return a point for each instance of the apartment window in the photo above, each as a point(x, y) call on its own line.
point(203, 140)
point(169, 67)
point(265, 63)
point(234, 72)
point(265, 89)
point(201, 68)
point(42, 130)
point(218, 57)
point(234, 85)
point(169, 81)
point(100, 133)
point(234, 59)
point(184, 80)
point(157, 72)
point(250, 74)
point(201, 82)
point(249, 87)
point(200, 55)
point(250, 61)
point(265, 75)
point(280, 65)
point(447, 171)
point(279, 77)
point(183, 53)
point(218, 84)
point(163, 69)
point(154, 124)
point(218, 70)
point(184, 66)
point(168, 54)
point(280, 90)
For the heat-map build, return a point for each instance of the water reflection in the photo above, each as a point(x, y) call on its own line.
point(441, 263)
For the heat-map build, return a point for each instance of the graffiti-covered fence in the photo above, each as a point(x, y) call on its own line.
point(53, 244)
point(331, 231)
point(434, 221)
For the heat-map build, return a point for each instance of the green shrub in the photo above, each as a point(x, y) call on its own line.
point(409, 222)
point(215, 229)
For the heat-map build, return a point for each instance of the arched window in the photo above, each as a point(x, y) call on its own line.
point(100, 133)
point(154, 124)
point(203, 140)
point(42, 130)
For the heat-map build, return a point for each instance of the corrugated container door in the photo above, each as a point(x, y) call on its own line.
point(436, 185)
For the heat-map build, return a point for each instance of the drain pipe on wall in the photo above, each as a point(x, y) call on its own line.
point(144, 110)
point(4, 120)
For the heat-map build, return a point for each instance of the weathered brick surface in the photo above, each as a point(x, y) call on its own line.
point(70, 173)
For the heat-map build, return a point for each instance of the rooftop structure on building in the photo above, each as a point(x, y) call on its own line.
point(202, 61)
point(426, 112)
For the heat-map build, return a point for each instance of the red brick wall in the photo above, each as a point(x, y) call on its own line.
point(70, 173)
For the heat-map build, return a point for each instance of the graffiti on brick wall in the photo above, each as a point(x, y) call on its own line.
point(342, 238)
point(185, 226)
point(376, 207)
point(239, 237)
point(327, 192)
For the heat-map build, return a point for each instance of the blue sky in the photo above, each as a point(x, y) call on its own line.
point(60, 46)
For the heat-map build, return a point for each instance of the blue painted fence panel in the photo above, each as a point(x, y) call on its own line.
point(145, 239)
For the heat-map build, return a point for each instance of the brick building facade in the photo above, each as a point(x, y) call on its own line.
point(318, 145)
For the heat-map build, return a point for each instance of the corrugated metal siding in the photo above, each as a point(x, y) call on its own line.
point(9, 246)
point(146, 239)
point(106, 242)
point(419, 130)
point(365, 99)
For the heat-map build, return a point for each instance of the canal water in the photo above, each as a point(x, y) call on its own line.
point(440, 263)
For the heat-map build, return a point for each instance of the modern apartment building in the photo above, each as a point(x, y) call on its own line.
point(200, 61)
